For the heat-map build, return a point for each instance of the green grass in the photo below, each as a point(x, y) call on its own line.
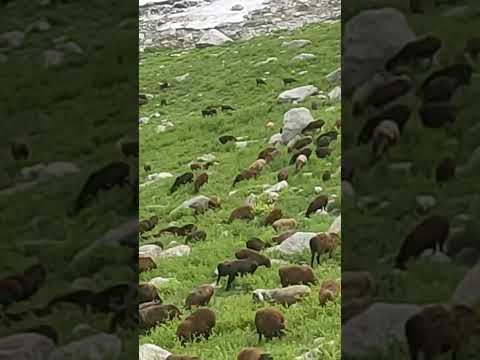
point(226, 75)
point(383, 230)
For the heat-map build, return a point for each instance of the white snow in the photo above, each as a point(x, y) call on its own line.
point(210, 15)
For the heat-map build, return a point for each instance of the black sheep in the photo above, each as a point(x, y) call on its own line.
point(181, 180)
point(234, 268)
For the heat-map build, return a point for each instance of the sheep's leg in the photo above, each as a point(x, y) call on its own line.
point(259, 336)
point(230, 281)
point(318, 259)
point(313, 259)
point(218, 278)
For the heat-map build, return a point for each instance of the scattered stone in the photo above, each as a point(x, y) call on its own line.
point(199, 202)
point(182, 77)
point(296, 43)
point(294, 121)
point(275, 139)
point(335, 77)
point(212, 37)
point(347, 189)
point(11, 40)
point(151, 250)
point(304, 57)
point(436, 257)
point(152, 352)
point(318, 189)
point(159, 176)
point(53, 58)
point(166, 126)
point(237, 7)
point(277, 187)
point(144, 120)
point(297, 243)
point(160, 281)
point(425, 202)
point(39, 25)
point(272, 197)
point(71, 47)
point(335, 95)
point(177, 251)
point(468, 291)
point(298, 94)
point(207, 158)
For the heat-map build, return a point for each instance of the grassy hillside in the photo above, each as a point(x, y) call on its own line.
point(226, 75)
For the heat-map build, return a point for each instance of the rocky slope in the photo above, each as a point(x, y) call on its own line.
point(182, 23)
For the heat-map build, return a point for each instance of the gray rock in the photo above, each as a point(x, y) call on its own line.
point(152, 352)
point(199, 202)
point(213, 37)
point(39, 25)
point(99, 346)
point(336, 226)
point(294, 121)
point(297, 243)
point(165, 127)
point(151, 250)
point(305, 57)
point(376, 328)
point(237, 7)
point(298, 94)
point(144, 120)
point(347, 189)
point(160, 281)
point(12, 40)
point(207, 158)
point(436, 257)
point(287, 295)
point(71, 47)
point(177, 251)
point(296, 43)
point(182, 77)
point(277, 187)
point(335, 94)
point(335, 77)
point(366, 48)
point(26, 346)
point(468, 291)
point(159, 176)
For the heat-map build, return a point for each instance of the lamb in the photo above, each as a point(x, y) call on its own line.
point(285, 296)
point(181, 180)
point(19, 150)
point(115, 173)
point(199, 296)
point(319, 203)
point(285, 224)
point(242, 213)
point(428, 234)
point(196, 236)
point(198, 324)
point(296, 275)
point(253, 354)
point(145, 263)
point(201, 180)
point(357, 284)
point(258, 165)
point(245, 175)
point(253, 255)
point(147, 292)
point(234, 268)
point(255, 244)
point(300, 162)
point(270, 323)
point(322, 243)
point(274, 215)
point(154, 315)
point(438, 329)
point(282, 175)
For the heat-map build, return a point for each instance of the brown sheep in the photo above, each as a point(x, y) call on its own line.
point(199, 296)
point(282, 237)
point(195, 165)
point(260, 259)
point(313, 126)
point(322, 152)
point(245, 175)
point(178, 231)
point(300, 143)
point(147, 292)
point(328, 290)
point(437, 330)
point(196, 236)
point(255, 244)
point(282, 175)
point(296, 275)
point(258, 165)
point(235, 267)
point(322, 243)
point(428, 234)
point(148, 224)
point(201, 180)
point(198, 324)
point(242, 213)
point(264, 153)
point(305, 152)
point(285, 224)
point(145, 263)
point(274, 215)
point(300, 162)
point(156, 314)
point(356, 284)
point(319, 203)
point(270, 323)
point(182, 357)
point(253, 354)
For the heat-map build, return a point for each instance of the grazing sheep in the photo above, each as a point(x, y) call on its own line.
point(313, 126)
point(226, 139)
point(284, 296)
point(182, 357)
point(285, 224)
point(357, 284)
point(296, 275)
point(196, 236)
point(300, 162)
point(299, 144)
point(148, 224)
point(19, 150)
point(147, 168)
point(445, 170)
point(322, 243)
point(214, 202)
point(328, 290)
point(253, 354)
point(265, 152)
point(255, 244)
point(156, 314)
point(319, 203)
point(322, 152)
point(201, 180)
point(195, 165)
point(246, 174)
point(260, 82)
point(142, 99)
point(428, 234)
point(437, 330)
point(282, 175)
point(199, 296)
point(145, 263)
point(396, 113)
point(235, 267)
point(178, 231)
point(147, 292)
point(323, 140)
point(270, 323)
point(115, 173)
point(225, 108)
point(181, 180)
point(327, 175)
point(385, 135)
point(282, 237)
point(209, 112)
point(355, 306)
point(242, 213)
point(305, 152)
point(274, 215)
point(198, 324)
point(260, 259)
point(258, 165)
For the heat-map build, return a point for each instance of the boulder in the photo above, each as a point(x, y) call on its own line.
point(212, 37)
point(335, 94)
point(237, 7)
point(365, 46)
point(285, 296)
point(297, 243)
point(294, 121)
point(298, 94)
point(152, 352)
point(180, 250)
point(151, 250)
point(199, 202)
